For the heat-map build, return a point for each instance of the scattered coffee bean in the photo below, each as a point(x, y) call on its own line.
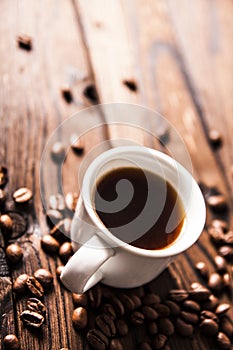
point(221, 264)
point(109, 310)
point(20, 283)
point(66, 93)
point(11, 342)
point(217, 203)
point(77, 144)
point(3, 176)
point(137, 318)
point(208, 314)
point(174, 307)
point(152, 328)
point(196, 285)
point(165, 326)
point(6, 225)
point(53, 217)
point(215, 137)
point(222, 309)
point(79, 318)
point(118, 306)
point(145, 346)
point(202, 269)
point(127, 302)
point(95, 296)
point(32, 318)
point(149, 313)
point(217, 235)
point(80, 299)
point(61, 230)
point(217, 223)
point(115, 344)
point(91, 93)
point(151, 299)
point(59, 270)
point(44, 277)
point(159, 341)
point(34, 304)
point(106, 325)
point(178, 295)
point(22, 195)
point(65, 251)
point(215, 282)
point(227, 281)
point(58, 152)
point(226, 326)
point(199, 294)
point(2, 199)
point(162, 310)
point(131, 84)
point(183, 328)
point(121, 327)
point(71, 200)
point(97, 339)
point(24, 41)
point(35, 287)
point(228, 238)
point(211, 303)
point(209, 327)
point(191, 305)
point(136, 300)
point(189, 317)
point(57, 202)
point(14, 253)
point(223, 341)
point(226, 251)
point(50, 244)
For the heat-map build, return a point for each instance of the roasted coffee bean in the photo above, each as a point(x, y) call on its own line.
point(151, 299)
point(226, 281)
point(34, 304)
point(115, 344)
point(95, 296)
point(159, 341)
point(149, 313)
point(61, 230)
point(144, 346)
point(118, 306)
point(215, 282)
point(226, 251)
point(208, 314)
point(24, 41)
point(66, 93)
point(65, 251)
point(97, 339)
point(215, 137)
point(108, 309)
point(71, 200)
point(80, 299)
point(137, 301)
point(50, 244)
point(2, 199)
point(11, 342)
point(221, 264)
point(3, 176)
point(53, 217)
point(211, 303)
point(222, 309)
point(178, 295)
point(196, 285)
point(57, 202)
point(32, 318)
point(91, 93)
point(202, 269)
point(58, 152)
point(121, 327)
point(228, 238)
point(137, 318)
point(59, 270)
point(183, 328)
point(191, 305)
point(189, 317)
point(226, 326)
point(223, 341)
point(165, 326)
point(162, 310)
point(44, 277)
point(199, 294)
point(209, 327)
point(35, 287)
point(14, 253)
point(173, 307)
point(20, 283)
point(217, 223)
point(6, 225)
point(127, 302)
point(22, 195)
point(79, 318)
point(217, 203)
point(106, 325)
point(152, 328)
point(77, 144)
point(217, 235)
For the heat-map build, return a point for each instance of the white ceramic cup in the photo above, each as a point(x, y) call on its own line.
point(99, 255)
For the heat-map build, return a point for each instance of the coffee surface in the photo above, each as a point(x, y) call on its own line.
point(139, 207)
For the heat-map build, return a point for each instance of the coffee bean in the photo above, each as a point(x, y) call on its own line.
point(215, 137)
point(190, 305)
point(211, 303)
point(217, 235)
point(2, 200)
point(79, 318)
point(71, 200)
point(19, 284)
point(115, 344)
point(65, 251)
point(50, 244)
point(199, 294)
point(109, 310)
point(22, 195)
point(77, 144)
point(44, 277)
point(215, 282)
point(24, 41)
point(209, 327)
point(173, 307)
point(223, 341)
point(202, 269)
point(136, 300)
point(178, 295)
point(35, 287)
point(222, 309)
point(61, 230)
point(95, 296)
point(91, 93)
point(159, 341)
point(34, 304)
point(97, 339)
point(14, 253)
point(32, 318)
point(151, 299)
point(165, 326)
point(137, 318)
point(152, 328)
point(162, 310)
point(6, 225)
point(149, 313)
point(3, 176)
point(127, 302)
point(66, 93)
point(58, 152)
point(189, 317)
point(228, 238)
point(57, 202)
point(106, 325)
point(80, 299)
point(217, 223)
point(226, 326)
point(221, 264)
point(59, 270)
point(208, 314)
point(183, 328)
point(118, 306)
point(11, 342)
point(196, 285)
point(121, 327)
point(145, 346)
point(53, 217)
point(226, 251)
point(227, 281)
point(217, 203)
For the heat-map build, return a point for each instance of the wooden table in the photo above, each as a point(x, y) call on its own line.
point(178, 53)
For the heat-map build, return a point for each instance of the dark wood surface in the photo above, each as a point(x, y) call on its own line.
point(180, 55)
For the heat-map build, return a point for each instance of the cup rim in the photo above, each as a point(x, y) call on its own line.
point(106, 234)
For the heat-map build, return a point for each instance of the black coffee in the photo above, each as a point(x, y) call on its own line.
point(139, 207)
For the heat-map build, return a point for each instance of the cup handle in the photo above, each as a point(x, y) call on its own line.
point(82, 271)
